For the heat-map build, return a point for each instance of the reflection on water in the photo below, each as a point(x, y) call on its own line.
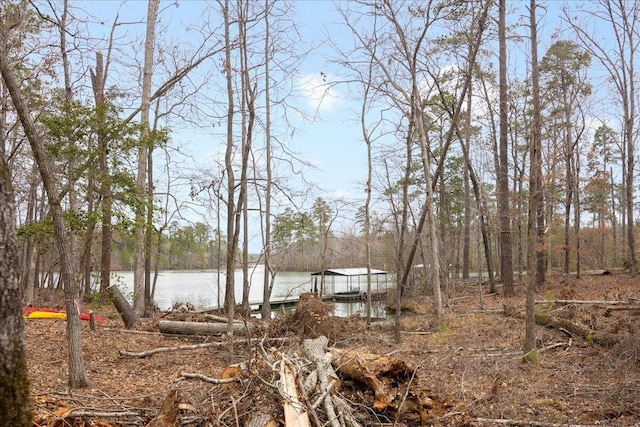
point(204, 289)
point(344, 309)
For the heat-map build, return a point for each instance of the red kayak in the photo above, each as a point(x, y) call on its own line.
point(48, 313)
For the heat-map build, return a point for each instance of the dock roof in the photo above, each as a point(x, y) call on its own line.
point(357, 271)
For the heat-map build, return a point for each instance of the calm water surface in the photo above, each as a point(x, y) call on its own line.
point(200, 289)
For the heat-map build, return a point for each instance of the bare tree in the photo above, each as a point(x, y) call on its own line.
point(536, 208)
point(139, 301)
point(403, 86)
point(232, 234)
point(267, 283)
point(618, 56)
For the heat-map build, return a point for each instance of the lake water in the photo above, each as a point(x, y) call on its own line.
point(200, 289)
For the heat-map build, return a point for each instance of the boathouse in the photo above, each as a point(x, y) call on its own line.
point(348, 283)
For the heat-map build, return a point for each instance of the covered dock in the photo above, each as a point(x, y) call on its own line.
point(348, 284)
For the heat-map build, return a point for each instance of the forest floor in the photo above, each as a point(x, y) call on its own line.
point(466, 368)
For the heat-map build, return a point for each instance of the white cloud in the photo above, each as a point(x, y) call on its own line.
point(320, 94)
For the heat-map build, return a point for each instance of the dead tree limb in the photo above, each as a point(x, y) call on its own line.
point(185, 375)
point(295, 414)
point(525, 423)
point(632, 304)
point(100, 414)
point(316, 351)
point(147, 353)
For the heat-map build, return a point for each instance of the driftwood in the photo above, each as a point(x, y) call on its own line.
point(195, 328)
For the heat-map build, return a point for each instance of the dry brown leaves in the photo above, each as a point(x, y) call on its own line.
point(468, 362)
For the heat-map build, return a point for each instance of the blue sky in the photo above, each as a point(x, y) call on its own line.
point(332, 140)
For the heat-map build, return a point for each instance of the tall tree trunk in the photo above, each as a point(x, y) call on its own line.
point(77, 373)
point(614, 223)
point(87, 257)
point(466, 239)
point(536, 208)
point(229, 296)
point(28, 276)
point(15, 408)
point(98, 78)
point(266, 290)
point(576, 210)
point(245, 138)
point(481, 206)
point(570, 175)
point(143, 153)
point(367, 204)
point(148, 238)
point(506, 244)
point(434, 250)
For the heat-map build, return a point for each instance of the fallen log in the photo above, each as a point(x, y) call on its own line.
point(390, 379)
point(587, 334)
point(195, 328)
point(566, 326)
point(123, 307)
point(219, 319)
point(368, 368)
point(631, 304)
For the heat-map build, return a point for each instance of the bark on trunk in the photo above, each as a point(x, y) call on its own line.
point(14, 382)
point(77, 373)
point(196, 328)
point(122, 306)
